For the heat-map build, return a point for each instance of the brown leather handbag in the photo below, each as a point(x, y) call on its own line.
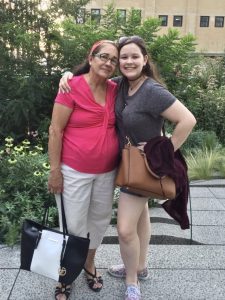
point(135, 175)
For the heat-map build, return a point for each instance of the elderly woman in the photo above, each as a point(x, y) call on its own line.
point(83, 153)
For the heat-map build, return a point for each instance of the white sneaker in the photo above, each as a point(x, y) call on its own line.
point(133, 292)
point(120, 272)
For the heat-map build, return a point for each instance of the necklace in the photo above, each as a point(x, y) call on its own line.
point(131, 88)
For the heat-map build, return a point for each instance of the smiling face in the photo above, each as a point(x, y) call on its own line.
point(103, 62)
point(131, 61)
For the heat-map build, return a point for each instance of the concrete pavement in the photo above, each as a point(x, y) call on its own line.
point(178, 270)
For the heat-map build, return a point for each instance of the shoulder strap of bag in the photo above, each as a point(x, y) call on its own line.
point(129, 141)
point(163, 129)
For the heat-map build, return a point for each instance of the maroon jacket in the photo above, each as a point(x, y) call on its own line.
point(164, 161)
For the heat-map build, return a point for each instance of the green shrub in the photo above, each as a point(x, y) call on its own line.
point(200, 139)
point(202, 89)
point(23, 188)
point(220, 165)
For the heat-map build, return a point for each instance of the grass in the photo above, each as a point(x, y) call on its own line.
point(205, 164)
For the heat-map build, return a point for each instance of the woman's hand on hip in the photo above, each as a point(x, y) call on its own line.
point(141, 145)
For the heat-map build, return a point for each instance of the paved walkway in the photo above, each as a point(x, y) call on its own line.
point(179, 270)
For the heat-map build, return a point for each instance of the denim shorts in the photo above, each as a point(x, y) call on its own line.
point(127, 191)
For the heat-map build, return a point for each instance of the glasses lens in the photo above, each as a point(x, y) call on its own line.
point(105, 57)
point(114, 61)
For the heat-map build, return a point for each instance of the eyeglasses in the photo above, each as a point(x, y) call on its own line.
point(105, 57)
point(133, 38)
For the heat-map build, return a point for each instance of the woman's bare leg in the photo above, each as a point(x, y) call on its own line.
point(144, 234)
point(130, 209)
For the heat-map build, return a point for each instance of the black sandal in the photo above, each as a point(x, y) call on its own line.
point(92, 281)
point(63, 289)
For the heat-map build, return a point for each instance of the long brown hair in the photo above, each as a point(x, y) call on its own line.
point(150, 68)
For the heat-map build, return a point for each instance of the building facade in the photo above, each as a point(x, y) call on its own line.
point(203, 18)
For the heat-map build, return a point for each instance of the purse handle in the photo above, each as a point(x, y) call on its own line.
point(46, 213)
point(61, 270)
point(65, 230)
point(64, 223)
point(45, 222)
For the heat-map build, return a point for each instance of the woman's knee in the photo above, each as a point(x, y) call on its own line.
point(126, 233)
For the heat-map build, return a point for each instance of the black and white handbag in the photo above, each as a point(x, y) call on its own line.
point(51, 253)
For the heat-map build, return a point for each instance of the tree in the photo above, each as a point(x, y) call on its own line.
point(29, 43)
point(170, 52)
point(38, 44)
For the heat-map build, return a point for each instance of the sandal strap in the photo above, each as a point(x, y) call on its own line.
point(63, 289)
point(92, 282)
point(89, 273)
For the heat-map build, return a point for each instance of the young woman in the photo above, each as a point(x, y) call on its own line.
point(83, 153)
point(142, 104)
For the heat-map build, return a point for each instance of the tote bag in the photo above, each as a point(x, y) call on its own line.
point(52, 253)
point(135, 175)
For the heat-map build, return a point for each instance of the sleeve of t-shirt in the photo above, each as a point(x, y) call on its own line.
point(66, 99)
point(158, 99)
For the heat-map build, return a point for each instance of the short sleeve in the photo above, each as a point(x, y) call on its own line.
point(161, 99)
point(66, 99)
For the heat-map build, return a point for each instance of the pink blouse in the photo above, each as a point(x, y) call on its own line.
point(90, 142)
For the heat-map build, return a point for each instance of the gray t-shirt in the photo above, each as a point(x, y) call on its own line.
point(139, 116)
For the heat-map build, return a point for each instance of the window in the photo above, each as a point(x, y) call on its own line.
point(219, 21)
point(96, 15)
point(177, 21)
point(164, 20)
point(204, 21)
point(121, 16)
point(136, 15)
point(80, 17)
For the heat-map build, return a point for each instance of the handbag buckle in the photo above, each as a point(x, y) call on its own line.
point(62, 271)
point(128, 141)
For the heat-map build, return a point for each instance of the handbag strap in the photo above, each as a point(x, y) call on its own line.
point(46, 213)
point(129, 140)
point(64, 227)
point(64, 224)
point(163, 129)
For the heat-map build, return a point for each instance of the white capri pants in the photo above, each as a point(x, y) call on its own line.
point(87, 201)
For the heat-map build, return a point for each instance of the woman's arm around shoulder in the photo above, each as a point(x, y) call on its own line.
point(64, 86)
